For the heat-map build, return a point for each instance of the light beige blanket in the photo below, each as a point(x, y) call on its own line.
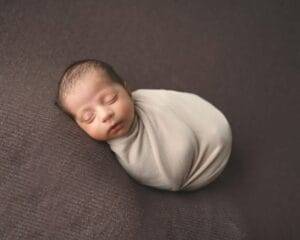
point(178, 140)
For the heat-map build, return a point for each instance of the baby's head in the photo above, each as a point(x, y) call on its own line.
point(96, 98)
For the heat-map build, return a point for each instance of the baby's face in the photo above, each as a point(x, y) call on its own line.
point(97, 104)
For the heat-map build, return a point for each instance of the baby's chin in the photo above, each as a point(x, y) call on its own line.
point(121, 133)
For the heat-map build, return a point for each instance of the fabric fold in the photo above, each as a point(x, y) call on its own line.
point(178, 140)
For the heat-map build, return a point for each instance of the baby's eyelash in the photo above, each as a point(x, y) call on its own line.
point(89, 119)
point(114, 98)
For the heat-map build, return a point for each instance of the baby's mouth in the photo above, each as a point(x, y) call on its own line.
point(116, 127)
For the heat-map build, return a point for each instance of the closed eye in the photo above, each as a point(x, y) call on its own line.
point(113, 99)
point(89, 120)
point(87, 117)
point(90, 117)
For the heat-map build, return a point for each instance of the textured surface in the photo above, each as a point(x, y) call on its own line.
point(57, 183)
point(177, 141)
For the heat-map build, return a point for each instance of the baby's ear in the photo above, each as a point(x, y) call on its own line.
point(127, 88)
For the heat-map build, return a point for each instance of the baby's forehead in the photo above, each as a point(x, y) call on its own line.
point(94, 87)
point(93, 79)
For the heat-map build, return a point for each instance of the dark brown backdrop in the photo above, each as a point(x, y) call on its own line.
point(243, 56)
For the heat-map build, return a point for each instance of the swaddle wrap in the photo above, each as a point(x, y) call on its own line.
point(178, 140)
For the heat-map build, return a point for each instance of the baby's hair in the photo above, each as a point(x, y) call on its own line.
point(73, 75)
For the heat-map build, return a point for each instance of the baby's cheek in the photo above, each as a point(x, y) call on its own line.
point(97, 133)
point(87, 129)
point(127, 108)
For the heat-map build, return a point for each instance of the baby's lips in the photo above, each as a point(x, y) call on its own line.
point(115, 127)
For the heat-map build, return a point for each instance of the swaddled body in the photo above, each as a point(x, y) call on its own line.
point(178, 141)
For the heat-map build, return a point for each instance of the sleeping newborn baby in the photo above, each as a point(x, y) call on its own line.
point(164, 139)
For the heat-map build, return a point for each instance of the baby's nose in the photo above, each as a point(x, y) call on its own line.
point(105, 114)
